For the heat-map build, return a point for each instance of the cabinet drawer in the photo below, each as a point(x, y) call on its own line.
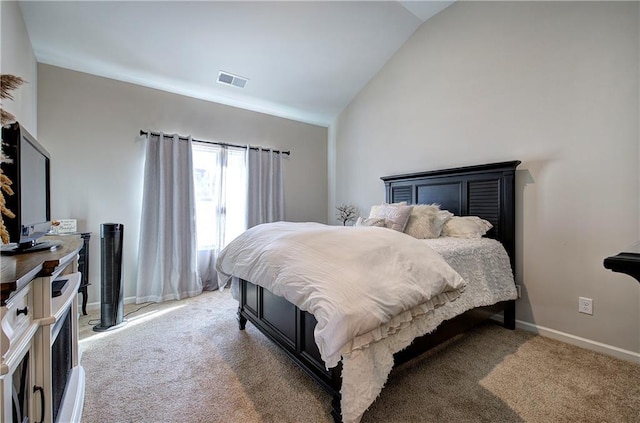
point(19, 314)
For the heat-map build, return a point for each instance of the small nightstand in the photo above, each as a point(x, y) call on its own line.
point(83, 265)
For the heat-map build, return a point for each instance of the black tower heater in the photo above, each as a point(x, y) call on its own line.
point(111, 305)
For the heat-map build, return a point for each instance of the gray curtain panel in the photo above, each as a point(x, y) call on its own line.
point(265, 194)
point(167, 250)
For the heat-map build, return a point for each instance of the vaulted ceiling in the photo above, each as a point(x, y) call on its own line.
point(304, 60)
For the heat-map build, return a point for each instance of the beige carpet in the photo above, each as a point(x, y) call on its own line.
point(186, 361)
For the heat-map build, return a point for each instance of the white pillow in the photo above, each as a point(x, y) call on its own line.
point(370, 221)
point(466, 227)
point(375, 209)
point(395, 216)
point(426, 221)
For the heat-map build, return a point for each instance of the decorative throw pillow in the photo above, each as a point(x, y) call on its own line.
point(426, 221)
point(395, 216)
point(370, 221)
point(466, 227)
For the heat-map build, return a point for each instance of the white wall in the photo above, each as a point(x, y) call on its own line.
point(17, 59)
point(554, 84)
point(89, 124)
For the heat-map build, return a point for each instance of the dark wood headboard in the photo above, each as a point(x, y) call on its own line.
point(485, 190)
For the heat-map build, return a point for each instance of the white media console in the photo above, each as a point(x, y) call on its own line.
point(41, 379)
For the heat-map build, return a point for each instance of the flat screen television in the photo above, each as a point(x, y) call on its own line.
point(28, 167)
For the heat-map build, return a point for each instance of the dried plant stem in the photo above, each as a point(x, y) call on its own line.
point(9, 83)
point(5, 185)
point(6, 118)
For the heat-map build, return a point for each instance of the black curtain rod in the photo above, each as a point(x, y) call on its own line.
point(220, 143)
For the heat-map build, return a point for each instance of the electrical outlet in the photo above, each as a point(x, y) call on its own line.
point(585, 305)
point(519, 289)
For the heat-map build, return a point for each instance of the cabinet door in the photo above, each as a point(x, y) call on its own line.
point(16, 388)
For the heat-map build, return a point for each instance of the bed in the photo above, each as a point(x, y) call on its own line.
point(486, 191)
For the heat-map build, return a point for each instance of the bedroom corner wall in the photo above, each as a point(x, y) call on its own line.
point(554, 84)
point(17, 59)
point(90, 125)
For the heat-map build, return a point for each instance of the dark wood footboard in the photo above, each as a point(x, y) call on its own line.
point(292, 330)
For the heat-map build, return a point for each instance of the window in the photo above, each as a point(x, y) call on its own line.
point(220, 185)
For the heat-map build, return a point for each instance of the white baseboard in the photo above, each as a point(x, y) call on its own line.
point(588, 344)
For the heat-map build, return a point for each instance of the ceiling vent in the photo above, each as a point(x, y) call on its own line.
point(230, 79)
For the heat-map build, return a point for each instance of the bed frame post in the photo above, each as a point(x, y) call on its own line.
point(242, 321)
point(336, 411)
point(510, 315)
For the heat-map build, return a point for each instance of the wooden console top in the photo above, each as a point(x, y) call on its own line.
point(20, 269)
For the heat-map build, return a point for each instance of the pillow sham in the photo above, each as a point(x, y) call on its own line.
point(465, 227)
point(370, 221)
point(426, 221)
point(395, 216)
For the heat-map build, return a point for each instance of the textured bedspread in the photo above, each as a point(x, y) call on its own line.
point(483, 263)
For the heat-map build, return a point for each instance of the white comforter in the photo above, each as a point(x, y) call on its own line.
point(361, 284)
